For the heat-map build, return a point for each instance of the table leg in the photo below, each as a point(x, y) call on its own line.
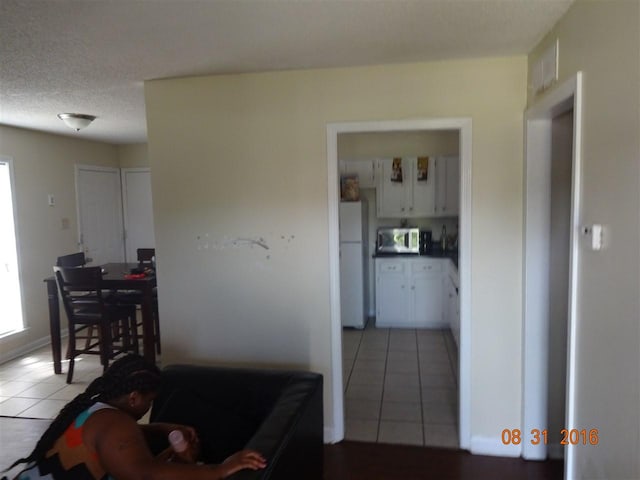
point(148, 331)
point(54, 324)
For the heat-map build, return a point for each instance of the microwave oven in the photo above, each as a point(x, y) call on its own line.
point(398, 240)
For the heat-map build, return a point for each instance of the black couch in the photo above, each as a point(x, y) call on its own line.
point(277, 413)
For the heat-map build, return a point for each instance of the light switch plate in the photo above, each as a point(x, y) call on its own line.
point(596, 237)
point(596, 234)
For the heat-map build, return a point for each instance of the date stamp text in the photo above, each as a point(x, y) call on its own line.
point(574, 436)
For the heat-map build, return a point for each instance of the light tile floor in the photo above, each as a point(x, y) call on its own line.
point(400, 386)
point(30, 389)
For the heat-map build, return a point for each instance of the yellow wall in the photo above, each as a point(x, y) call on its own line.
point(44, 164)
point(602, 39)
point(244, 156)
point(394, 144)
point(132, 156)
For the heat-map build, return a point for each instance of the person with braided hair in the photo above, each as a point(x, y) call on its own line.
point(96, 436)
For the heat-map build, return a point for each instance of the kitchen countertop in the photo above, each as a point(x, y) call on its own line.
point(434, 253)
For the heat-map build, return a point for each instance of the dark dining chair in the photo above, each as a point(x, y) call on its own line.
point(76, 260)
point(72, 260)
point(145, 259)
point(145, 256)
point(85, 305)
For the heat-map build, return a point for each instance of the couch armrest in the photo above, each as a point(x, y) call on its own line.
point(285, 408)
point(291, 436)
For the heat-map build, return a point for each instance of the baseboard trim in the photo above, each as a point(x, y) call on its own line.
point(329, 435)
point(28, 348)
point(493, 446)
point(555, 452)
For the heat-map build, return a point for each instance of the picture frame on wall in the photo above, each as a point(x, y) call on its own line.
point(349, 188)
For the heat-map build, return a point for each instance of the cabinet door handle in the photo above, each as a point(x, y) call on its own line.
point(410, 209)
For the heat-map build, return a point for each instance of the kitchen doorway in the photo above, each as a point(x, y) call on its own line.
point(463, 127)
point(552, 212)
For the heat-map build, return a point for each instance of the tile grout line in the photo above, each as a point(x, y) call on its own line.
point(420, 390)
point(455, 378)
point(384, 377)
point(355, 357)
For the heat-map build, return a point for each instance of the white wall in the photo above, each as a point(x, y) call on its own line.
point(44, 164)
point(600, 38)
point(244, 156)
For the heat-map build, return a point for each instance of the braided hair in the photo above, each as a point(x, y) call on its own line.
point(127, 374)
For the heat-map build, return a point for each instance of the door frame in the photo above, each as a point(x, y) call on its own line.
point(464, 128)
point(537, 203)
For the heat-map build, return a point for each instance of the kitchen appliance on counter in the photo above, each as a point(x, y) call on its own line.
point(398, 240)
point(354, 264)
point(426, 242)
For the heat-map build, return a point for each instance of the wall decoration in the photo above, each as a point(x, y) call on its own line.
point(396, 170)
point(423, 169)
point(349, 188)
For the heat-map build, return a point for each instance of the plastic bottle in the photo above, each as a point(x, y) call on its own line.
point(181, 447)
point(177, 441)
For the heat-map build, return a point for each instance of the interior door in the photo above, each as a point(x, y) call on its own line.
point(138, 211)
point(101, 235)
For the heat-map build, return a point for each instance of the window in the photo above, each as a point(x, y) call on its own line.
point(11, 319)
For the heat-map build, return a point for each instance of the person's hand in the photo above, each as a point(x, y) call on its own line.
point(243, 459)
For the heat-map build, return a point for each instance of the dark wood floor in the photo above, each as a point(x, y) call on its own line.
point(374, 461)
point(346, 460)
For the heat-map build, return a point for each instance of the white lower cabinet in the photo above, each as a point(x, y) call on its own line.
point(392, 305)
point(453, 311)
point(409, 293)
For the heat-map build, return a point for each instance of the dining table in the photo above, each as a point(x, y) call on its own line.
point(115, 276)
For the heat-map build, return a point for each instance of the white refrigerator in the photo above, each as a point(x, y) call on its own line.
point(353, 264)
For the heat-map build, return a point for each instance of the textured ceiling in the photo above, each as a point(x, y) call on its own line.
point(92, 56)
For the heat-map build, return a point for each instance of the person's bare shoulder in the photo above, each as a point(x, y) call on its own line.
point(105, 421)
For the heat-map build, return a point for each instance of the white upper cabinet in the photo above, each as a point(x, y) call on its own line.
point(447, 189)
point(405, 187)
point(364, 169)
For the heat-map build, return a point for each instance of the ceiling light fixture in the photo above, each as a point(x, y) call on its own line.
point(77, 121)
